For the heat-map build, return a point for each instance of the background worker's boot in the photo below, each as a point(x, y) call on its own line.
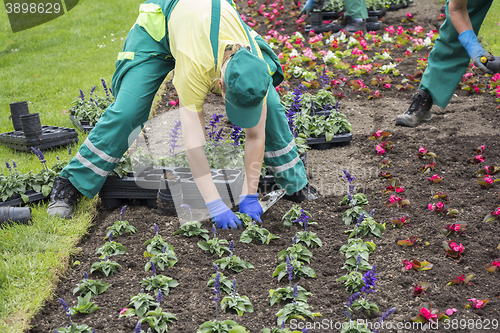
point(306, 193)
point(419, 110)
point(62, 198)
point(351, 25)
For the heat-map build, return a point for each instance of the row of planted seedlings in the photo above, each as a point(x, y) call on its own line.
point(357, 252)
point(293, 260)
point(161, 255)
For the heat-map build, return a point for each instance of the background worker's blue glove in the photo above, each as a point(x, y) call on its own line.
point(250, 205)
point(222, 215)
point(308, 7)
point(470, 42)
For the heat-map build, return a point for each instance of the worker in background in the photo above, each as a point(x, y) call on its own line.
point(354, 17)
point(456, 45)
point(211, 49)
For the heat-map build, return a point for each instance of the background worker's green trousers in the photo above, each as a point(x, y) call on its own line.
point(140, 70)
point(356, 9)
point(449, 60)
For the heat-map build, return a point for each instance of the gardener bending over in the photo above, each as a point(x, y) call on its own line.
point(211, 49)
point(456, 45)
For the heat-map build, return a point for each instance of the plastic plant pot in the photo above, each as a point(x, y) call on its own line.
point(32, 126)
point(15, 214)
point(18, 109)
point(168, 194)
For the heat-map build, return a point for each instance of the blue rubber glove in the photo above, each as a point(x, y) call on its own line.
point(222, 215)
point(470, 42)
point(250, 205)
point(308, 7)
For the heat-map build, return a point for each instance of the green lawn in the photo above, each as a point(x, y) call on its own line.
point(46, 65)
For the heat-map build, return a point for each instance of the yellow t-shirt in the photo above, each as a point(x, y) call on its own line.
point(189, 34)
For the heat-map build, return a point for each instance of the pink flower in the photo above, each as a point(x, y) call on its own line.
point(476, 89)
point(174, 102)
point(378, 133)
point(451, 311)
point(455, 247)
point(455, 227)
point(439, 205)
point(418, 29)
point(476, 303)
point(430, 206)
point(379, 150)
point(400, 30)
point(123, 311)
point(479, 158)
point(288, 45)
point(409, 15)
point(399, 190)
point(281, 55)
point(408, 266)
point(488, 180)
point(427, 314)
point(390, 30)
point(408, 52)
point(422, 150)
point(387, 86)
point(394, 199)
point(496, 263)
point(483, 147)
point(496, 212)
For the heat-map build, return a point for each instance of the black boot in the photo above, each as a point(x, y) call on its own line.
point(419, 110)
point(306, 193)
point(352, 26)
point(62, 198)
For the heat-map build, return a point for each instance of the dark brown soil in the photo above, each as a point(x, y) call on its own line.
point(455, 133)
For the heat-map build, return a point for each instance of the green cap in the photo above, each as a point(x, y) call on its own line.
point(247, 80)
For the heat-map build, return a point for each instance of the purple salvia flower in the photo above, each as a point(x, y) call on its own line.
point(372, 212)
point(217, 286)
point(66, 309)
point(69, 151)
point(347, 176)
point(295, 292)
point(254, 222)
point(305, 330)
point(337, 106)
point(349, 304)
point(158, 297)
point(8, 166)
point(106, 258)
point(231, 247)
point(105, 89)
point(14, 165)
point(294, 240)
point(92, 90)
point(85, 275)
point(324, 78)
point(351, 188)
point(40, 156)
point(57, 156)
point(349, 196)
point(110, 237)
point(82, 96)
point(306, 222)
point(214, 230)
point(235, 135)
point(94, 330)
point(234, 286)
point(358, 260)
point(157, 230)
point(283, 325)
point(360, 219)
point(122, 211)
point(138, 327)
point(96, 104)
point(302, 218)
point(313, 110)
point(174, 136)
point(292, 258)
point(369, 279)
point(164, 249)
point(384, 317)
point(216, 267)
point(153, 268)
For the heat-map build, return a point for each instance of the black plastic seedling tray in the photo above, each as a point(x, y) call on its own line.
point(379, 13)
point(320, 142)
point(82, 125)
point(52, 136)
point(145, 186)
point(17, 201)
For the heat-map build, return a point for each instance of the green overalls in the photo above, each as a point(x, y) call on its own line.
point(356, 9)
point(140, 70)
point(448, 59)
